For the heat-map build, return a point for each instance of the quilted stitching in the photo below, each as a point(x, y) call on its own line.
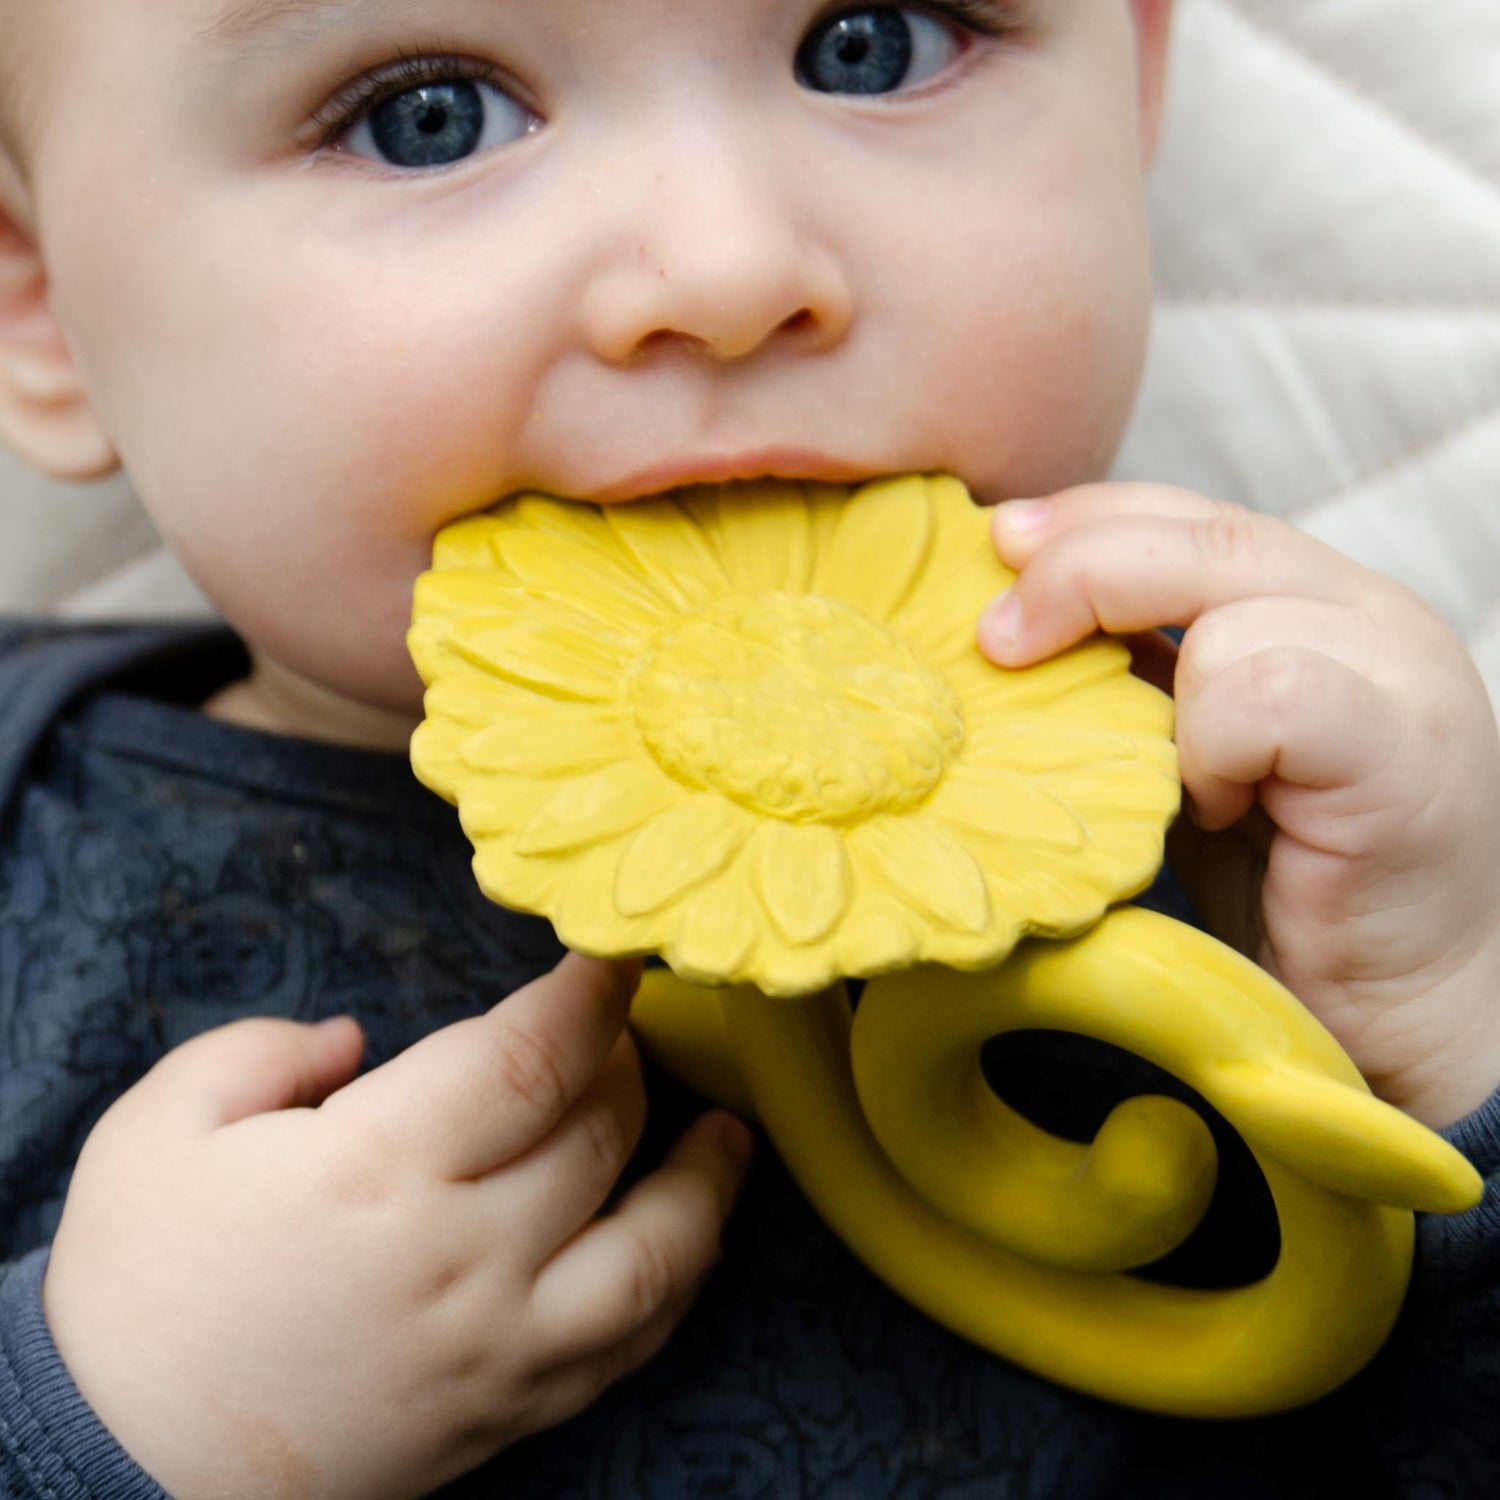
point(1390, 51)
point(1365, 48)
point(1328, 339)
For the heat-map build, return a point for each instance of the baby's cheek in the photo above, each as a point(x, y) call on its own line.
point(1040, 415)
point(1039, 340)
point(351, 634)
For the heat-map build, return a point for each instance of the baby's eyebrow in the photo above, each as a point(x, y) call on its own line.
point(249, 19)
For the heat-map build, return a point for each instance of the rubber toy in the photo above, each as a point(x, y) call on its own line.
point(747, 728)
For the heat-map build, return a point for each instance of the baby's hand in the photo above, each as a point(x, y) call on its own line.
point(1333, 700)
point(271, 1281)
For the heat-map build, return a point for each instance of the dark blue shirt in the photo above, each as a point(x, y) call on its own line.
point(162, 873)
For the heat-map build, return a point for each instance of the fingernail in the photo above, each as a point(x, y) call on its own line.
point(1025, 517)
point(1000, 628)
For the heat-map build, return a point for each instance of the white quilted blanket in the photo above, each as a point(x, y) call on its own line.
point(1327, 203)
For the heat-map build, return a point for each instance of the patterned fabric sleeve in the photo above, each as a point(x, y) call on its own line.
point(52, 1446)
point(1436, 1423)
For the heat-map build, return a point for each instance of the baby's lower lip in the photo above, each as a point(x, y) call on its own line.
point(769, 464)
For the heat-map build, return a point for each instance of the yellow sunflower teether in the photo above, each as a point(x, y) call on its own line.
point(748, 728)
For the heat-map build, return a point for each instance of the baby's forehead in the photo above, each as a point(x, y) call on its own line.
point(254, 23)
point(239, 21)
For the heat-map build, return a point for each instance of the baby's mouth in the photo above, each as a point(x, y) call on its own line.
point(727, 468)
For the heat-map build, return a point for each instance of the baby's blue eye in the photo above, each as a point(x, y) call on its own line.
point(877, 50)
point(438, 123)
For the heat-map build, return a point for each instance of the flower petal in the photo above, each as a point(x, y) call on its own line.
point(878, 935)
point(678, 851)
point(580, 531)
point(575, 525)
point(491, 806)
point(1125, 858)
point(716, 932)
point(1038, 746)
point(941, 621)
point(926, 866)
point(825, 509)
point(762, 535)
point(1071, 678)
point(1005, 809)
point(963, 574)
point(475, 698)
point(1126, 704)
point(435, 746)
point(972, 950)
point(1048, 896)
point(802, 877)
point(510, 879)
point(879, 547)
point(788, 969)
point(427, 644)
point(455, 593)
point(955, 508)
point(539, 642)
point(605, 583)
point(672, 552)
point(1128, 791)
point(469, 543)
point(1159, 751)
point(571, 738)
point(586, 917)
point(590, 809)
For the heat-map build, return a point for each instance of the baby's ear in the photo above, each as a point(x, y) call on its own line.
point(1153, 29)
point(46, 416)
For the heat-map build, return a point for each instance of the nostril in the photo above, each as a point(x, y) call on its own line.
point(799, 321)
point(663, 338)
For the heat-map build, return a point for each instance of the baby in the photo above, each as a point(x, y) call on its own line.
point(326, 275)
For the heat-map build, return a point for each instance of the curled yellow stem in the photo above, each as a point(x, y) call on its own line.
point(1019, 1241)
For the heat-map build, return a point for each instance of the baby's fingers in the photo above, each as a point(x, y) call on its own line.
point(612, 1283)
point(471, 1097)
point(246, 1068)
point(1127, 558)
point(545, 1196)
point(574, 1386)
point(1282, 712)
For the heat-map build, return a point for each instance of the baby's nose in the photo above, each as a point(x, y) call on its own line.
point(719, 264)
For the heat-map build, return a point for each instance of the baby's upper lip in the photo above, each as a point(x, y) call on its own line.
point(723, 468)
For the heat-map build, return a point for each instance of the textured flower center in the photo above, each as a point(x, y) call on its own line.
point(797, 707)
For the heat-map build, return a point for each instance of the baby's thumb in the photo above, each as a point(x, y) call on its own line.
point(255, 1066)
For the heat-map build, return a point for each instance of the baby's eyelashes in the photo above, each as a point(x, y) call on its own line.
point(427, 113)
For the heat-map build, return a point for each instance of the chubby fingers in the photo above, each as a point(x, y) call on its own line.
point(1275, 722)
point(247, 1068)
point(1288, 641)
point(1131, 557)
point(547, 1194)
point(608, 1300)
point(472, 1097)
point(617, 1284)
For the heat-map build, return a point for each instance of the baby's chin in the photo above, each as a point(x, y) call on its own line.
point(374, 711)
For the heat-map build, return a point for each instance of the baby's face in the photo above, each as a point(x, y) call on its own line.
point(337, 273)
